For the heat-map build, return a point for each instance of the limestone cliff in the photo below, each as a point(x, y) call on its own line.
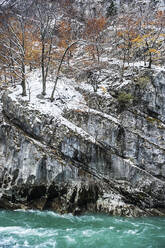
point(107, 157)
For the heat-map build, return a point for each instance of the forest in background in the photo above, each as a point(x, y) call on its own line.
point(37, 34)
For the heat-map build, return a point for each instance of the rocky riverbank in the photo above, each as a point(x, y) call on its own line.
point(107, 156)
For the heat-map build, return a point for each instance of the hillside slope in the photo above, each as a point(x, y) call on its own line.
point(87, 151)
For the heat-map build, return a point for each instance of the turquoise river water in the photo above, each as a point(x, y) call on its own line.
point(35, 229)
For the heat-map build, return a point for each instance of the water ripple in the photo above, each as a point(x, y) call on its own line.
point(35, 229)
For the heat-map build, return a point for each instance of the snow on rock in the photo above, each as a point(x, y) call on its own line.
point(65, 96)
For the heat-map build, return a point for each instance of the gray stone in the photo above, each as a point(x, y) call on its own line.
point(104, 159)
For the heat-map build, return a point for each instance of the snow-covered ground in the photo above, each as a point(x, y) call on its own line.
point(66, 95)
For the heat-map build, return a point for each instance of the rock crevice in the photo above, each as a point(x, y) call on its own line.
point(99, 159)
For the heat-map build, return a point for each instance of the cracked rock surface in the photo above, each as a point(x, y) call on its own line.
point(108, 158)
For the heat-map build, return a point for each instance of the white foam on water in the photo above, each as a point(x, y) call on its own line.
point(51, 213)
point(16, 246)
point(26, 243)
point(111, 228)
point(88, 233)
point(134, 224)
point(26, 232)
point(11, 229)
point(89, 218)
point(7, 241)
point(131, 232)
point(70, 239)
point(48, 243)
point(21, 210)
point(67, 231)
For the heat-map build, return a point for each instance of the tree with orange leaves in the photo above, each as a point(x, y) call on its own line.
point(125, 34)
point(66, 37)
point(140, 34)
point(150, 38)
point(15, 32)
point(45, 26)
point(94, 33)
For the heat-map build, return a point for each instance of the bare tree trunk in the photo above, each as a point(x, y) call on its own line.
point(124, 59)
point(59, 68)
point(43, 69)
point(12, 65)
point(23, 80)
point(5, 76)
point(150, 60)
point(23, 58)
point(144, 58)
point(98, 54)
point(49, 57)
point(45, 17)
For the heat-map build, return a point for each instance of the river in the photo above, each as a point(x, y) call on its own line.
point(35, 229)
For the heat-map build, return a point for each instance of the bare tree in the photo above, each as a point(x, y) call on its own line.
point(46, 24)
point(59, 68)
point(13, 32)
point(94, 31)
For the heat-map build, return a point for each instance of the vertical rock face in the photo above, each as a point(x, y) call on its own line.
point(106, 159)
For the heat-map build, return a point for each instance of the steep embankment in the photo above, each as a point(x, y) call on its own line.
point(105, 153)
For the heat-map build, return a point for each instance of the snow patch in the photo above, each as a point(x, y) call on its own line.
point(65, 95)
